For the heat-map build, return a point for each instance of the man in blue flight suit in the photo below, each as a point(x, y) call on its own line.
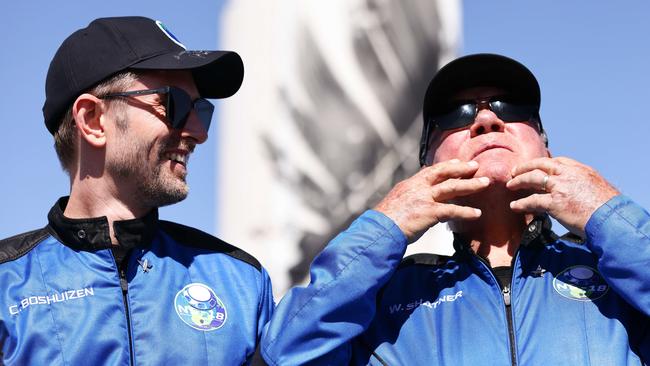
point(513, 292)
point(106, 281)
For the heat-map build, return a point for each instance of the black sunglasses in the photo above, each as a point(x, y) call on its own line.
point(178, 105)
point(462, 114)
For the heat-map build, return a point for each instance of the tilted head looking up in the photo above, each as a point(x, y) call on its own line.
point(468, 85)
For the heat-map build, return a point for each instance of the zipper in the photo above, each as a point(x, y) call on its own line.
point(124, 284)
point(506, 294)
point(511, 330)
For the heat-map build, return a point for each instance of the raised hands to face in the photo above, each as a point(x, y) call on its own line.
point(421, 201)
point(568, 190)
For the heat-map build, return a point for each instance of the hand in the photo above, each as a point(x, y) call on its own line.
point(419, 202)
point(571, 193)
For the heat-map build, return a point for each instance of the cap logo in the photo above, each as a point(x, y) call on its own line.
point(169, 34)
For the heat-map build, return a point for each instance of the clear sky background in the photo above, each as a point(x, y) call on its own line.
point(590, 57)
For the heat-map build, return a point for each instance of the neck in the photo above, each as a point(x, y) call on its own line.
point(497, 234)
point(96, 197)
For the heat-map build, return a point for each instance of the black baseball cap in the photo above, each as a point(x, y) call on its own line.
point(482, 69)
point(110, 45)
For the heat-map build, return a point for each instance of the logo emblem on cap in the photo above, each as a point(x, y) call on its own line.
point(198, 306)
point(169, 34)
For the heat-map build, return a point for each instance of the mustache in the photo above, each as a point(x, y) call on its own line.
point(182, 144)
point(175, 143)
point(186, 144)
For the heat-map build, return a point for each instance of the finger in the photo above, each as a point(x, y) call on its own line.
point(449, 169)
point(531, 180)
point(453, 188)
point(549, 165)
point(567, 161)
point(447, 211)
point(534, 203)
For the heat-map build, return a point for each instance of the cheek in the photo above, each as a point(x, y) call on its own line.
point(528, 141)
point(154, 149)
point(533, 144)
point(447, 147)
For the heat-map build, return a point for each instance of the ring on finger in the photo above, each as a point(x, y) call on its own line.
point(544, 182)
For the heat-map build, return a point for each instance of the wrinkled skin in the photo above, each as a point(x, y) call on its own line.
point(489, 175)
point(422, 200)
point(573, 190)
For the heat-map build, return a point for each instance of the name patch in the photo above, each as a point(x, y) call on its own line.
point(396, 308)
point(49, 299)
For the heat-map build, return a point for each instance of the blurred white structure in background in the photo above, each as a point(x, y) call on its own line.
point(327, 119)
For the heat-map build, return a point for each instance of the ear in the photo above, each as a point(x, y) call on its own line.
point(544, 138)
point(87, 112)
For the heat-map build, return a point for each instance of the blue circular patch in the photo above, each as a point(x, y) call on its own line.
point(198, 306)
point(581, 283)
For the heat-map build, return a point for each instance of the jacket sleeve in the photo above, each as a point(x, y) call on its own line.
point(266, 304)
point(315, 324)
point(265, 310)
point(619, 234)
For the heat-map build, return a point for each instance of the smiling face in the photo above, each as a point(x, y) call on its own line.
point(144, 155)
point(496, 145)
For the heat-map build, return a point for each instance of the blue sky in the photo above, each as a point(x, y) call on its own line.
point(590, 57)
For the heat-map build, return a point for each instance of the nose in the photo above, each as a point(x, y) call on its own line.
point(486, 121)
point(194, 128)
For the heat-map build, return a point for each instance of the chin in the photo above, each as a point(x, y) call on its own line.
point(496, 171)
point(166, 198)
point(162, 190)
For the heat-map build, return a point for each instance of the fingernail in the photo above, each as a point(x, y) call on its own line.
point(477, 211)
point(472, 164)
point(484, 180)
point(454, 161)
point(512, 204)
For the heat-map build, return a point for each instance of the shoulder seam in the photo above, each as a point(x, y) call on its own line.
point(186, 235)
point(423, 259)
point(572, 238)
point(22, 243)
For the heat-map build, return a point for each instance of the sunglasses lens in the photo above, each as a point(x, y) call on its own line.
point(179, 104)
point(457, 117)
point(204, 110)
point(513, 112)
